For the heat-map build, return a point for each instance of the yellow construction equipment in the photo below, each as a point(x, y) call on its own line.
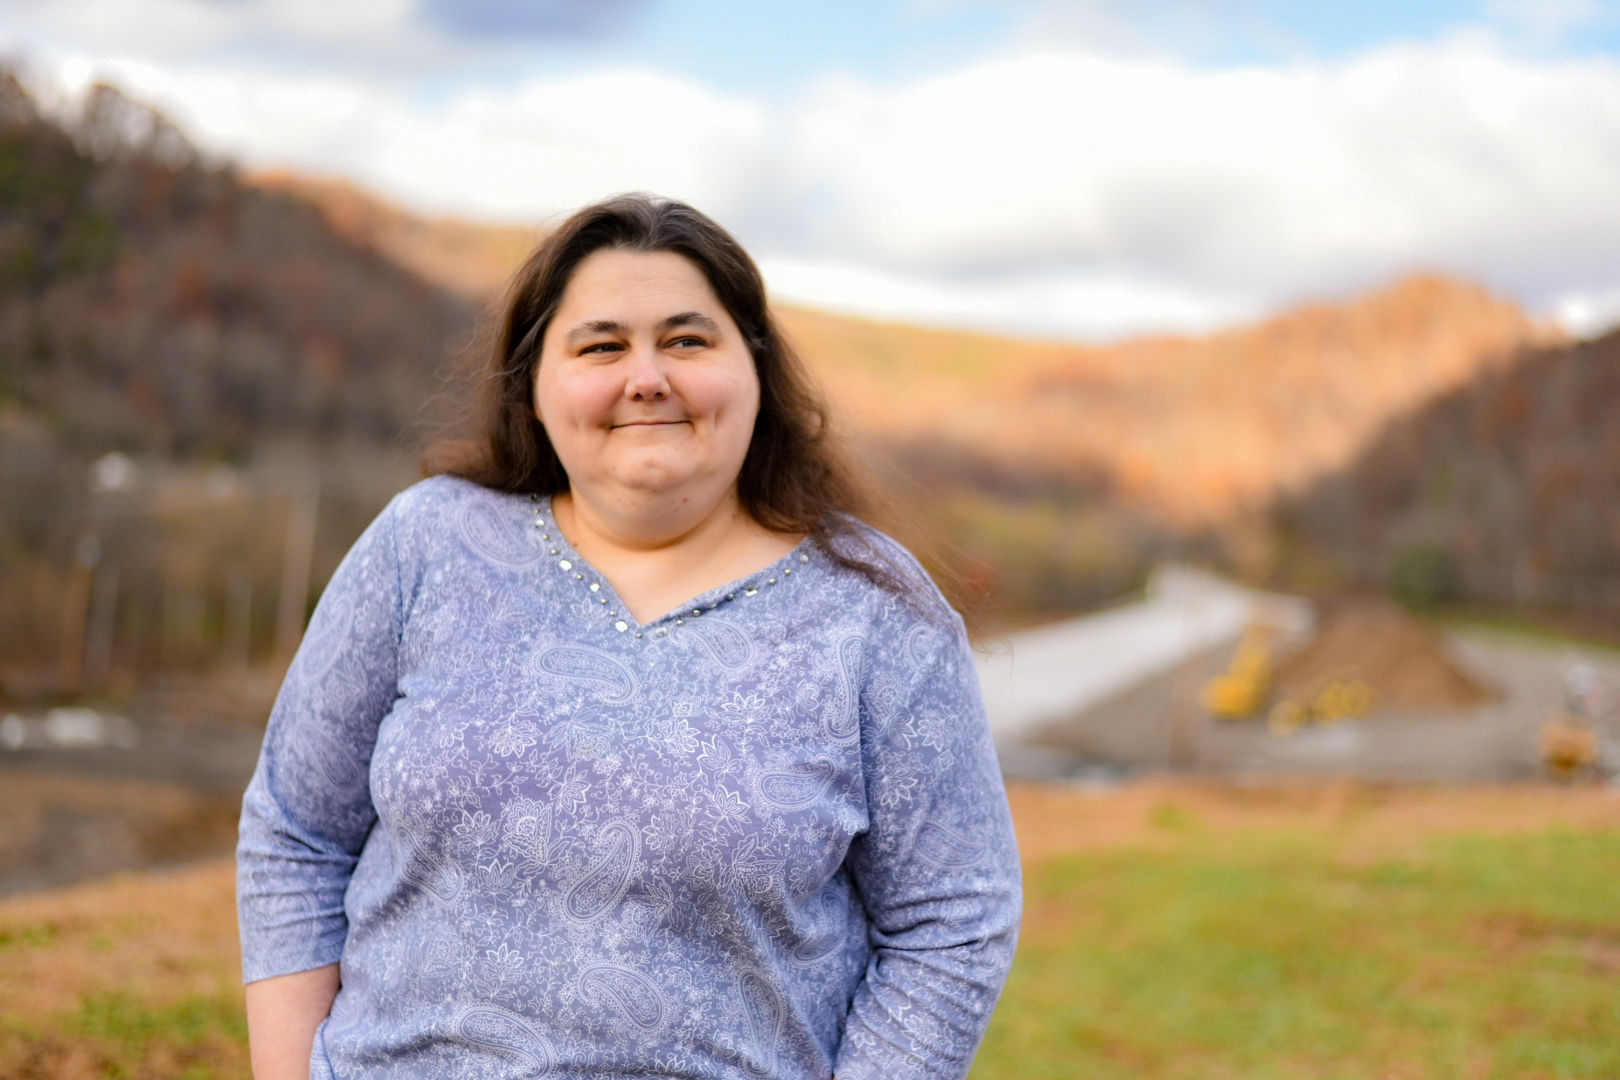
point(1243, 688)
point(1567, 748)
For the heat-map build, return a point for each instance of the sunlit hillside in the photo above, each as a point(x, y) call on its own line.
point(1189, 429)
point(473, 259)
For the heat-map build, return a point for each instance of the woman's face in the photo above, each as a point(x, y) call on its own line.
point(645, 385)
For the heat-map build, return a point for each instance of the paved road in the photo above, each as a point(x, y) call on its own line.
point(1040, 676)
point(1118, 691)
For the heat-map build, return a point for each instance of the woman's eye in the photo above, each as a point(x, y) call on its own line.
point(600, 347)
point(689, 342)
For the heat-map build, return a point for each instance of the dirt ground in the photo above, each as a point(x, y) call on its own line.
point(1055, 820)
point(1052, 820)
point(1373, 641)
point(71, 814)
point(1487, 699)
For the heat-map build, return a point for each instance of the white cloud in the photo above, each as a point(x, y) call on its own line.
point(1286, 179)
point(1097, 307)
point(1048, 190)
point(152, 29)
point(518, 154)
point(1589, 313)
point(560, 143)
point(1546, 22)
point(381, 41)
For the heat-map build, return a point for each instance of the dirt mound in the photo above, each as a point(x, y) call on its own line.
point(1376, 642)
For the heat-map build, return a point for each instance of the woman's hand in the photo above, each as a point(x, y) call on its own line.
point(282, 1014)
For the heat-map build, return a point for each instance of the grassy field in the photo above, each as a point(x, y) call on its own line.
point(1172, 930)
point(1334, 946)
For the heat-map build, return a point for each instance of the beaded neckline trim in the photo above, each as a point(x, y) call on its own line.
point(563, 561)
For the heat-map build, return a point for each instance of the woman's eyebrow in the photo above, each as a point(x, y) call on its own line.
point(594, 327)
point(611, 326)
point(690, 318)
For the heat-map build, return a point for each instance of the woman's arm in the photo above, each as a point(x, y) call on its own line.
point(282, 1015)
point(307, 811)
point(937, 870)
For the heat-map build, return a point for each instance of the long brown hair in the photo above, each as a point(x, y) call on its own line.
point(793, 479)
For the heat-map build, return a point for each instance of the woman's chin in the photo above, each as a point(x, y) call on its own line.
point(656, 477)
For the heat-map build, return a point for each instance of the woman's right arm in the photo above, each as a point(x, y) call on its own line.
point(307, 811)
point(938, 874)
point(282, 1015)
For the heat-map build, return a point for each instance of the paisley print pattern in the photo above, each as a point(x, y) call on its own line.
point(605, 881)
point(445, 885)
point(494, 536)
point(767, 841)
point(946, 847)
point(764, 1012)
point(328, 759)
point(590, 666)
point(917, 642)
point(728, 645)
point(797, 787)
point(508, 1035)
point(825, 935)
point(844, 721)
point(326, 637)
point(626, 992)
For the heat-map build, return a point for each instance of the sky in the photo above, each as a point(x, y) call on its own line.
point(1078, 169)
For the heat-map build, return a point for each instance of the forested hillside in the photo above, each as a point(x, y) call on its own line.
point(1505, 490)
point(243, 356)
point(154, 303)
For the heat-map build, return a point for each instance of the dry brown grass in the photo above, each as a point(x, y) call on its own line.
point(1380, 820)
point(125, 976)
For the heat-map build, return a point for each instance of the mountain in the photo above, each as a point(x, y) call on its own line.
point(267, 377)
point(154, 303)
point(1201, 429)
point(1504, 490)
point(158, 303)
point(1058, 470)
point(475, 261)
point(1189, 430)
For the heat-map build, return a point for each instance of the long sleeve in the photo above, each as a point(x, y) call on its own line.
point(307, 810)
point(937, 870)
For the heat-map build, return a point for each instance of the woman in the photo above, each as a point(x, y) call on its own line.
point(621, 749)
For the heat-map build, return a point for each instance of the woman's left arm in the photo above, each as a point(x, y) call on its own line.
point(937, 870)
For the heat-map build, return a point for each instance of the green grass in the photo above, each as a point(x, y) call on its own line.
point(120, 1036)
point(1270, 955)
point(1215, 954)
point(125, 1025)
point(30, 935)
point(1525, 629)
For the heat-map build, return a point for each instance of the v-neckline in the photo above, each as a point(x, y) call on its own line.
point(561, 554)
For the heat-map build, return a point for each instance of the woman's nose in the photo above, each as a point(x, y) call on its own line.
point(646, 379)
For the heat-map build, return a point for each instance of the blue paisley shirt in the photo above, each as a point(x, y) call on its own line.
point(762, 836)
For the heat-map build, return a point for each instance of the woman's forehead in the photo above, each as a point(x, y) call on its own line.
point(616, 290)
point(628, 276)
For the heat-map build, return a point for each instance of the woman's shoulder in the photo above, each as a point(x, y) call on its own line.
point(441, 498)
point(902, 594)
point(446, 516)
